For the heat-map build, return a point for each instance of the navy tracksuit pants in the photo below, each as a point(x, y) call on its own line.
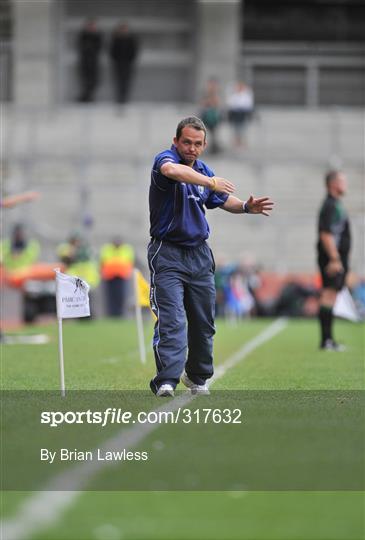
point(183, 299)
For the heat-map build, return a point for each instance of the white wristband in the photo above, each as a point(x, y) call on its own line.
point(245, 208)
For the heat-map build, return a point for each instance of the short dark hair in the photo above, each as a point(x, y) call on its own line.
point(331, 175)
point(191, 121)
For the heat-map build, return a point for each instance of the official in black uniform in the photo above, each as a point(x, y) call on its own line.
point(333, 248)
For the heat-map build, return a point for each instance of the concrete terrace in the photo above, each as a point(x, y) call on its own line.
point(92, 163)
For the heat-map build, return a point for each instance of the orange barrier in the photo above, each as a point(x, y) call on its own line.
point(271, 283)
point(38, 271)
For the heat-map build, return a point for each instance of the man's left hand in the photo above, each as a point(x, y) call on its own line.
point(262, 205)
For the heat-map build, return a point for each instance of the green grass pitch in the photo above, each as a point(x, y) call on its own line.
point(104, 355)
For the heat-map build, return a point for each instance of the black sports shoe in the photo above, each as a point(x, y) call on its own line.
point(331, 345)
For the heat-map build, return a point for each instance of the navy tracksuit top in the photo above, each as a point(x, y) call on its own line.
point(177, 211)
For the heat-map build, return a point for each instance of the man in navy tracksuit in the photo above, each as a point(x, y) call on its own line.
point(181, 263)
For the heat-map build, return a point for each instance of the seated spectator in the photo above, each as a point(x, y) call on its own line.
point(293, 298)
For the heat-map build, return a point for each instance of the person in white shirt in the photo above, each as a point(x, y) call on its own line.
point(240, 105)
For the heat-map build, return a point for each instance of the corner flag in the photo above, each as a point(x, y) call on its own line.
point(345, 306)
point(142, 299)
point(72, 296)
point(142, 290)
point(72, 300)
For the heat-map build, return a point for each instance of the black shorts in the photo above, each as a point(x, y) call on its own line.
point(335, 282)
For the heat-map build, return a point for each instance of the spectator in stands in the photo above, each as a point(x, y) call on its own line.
point(333, 247)
point(117, 260)
point(239, 300)
point(221, 277)
point(211, 112)
point(293, 298)
point(250, 270)
point(78, 258)
point(11, 201)
point(123, 54)
point(240, 105)
point(89, 43)
point(358, 292)
point(18, 252)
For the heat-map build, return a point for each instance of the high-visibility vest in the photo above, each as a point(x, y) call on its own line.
point(84, 267)
point(19, 259)
point(86, 270)
point(116, 261)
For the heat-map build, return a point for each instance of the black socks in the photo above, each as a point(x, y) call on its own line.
point(325, 316)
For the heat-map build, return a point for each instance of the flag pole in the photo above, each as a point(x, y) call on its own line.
point(60, 354)
point(139, 320)
point(60, 343)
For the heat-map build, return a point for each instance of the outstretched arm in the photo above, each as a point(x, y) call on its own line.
point(262, 205)
point(184, 173)
point(14, 200)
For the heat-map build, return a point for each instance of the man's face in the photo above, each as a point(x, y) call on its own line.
point(340, 185)
point(91, 26)
point(190, 144)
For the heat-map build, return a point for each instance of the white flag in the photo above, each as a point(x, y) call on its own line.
point(345, 306)
point(72, 296)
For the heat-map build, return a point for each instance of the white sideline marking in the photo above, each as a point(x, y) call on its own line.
point(44, 508)
point(274, 328)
